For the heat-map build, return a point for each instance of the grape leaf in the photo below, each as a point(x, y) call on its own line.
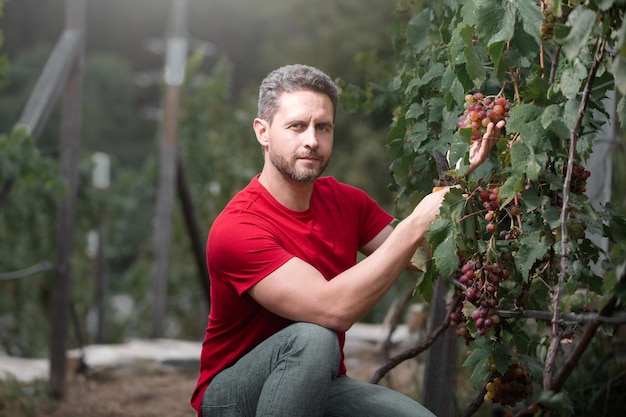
point(415, 111)
point(501, 355)
point(552, 119)
point(513, 185)
point(532, 200)
point(417, 30)
point(532, 248)
point(581, 21)
point(574, 72)
point(524, 162)
point(425, 282)
point(437, 232)
point(552, 216)
point(495, 52)
point(434, 72)
point(495, 20)
point(618, 68)
point(570, 112)
point(420, 259)
point(435, 107)
point(530, 15)
point(458, 43)
point(479, 359)
point(464, 51)
point(521, 115)
point(446, 257)
point(475, 68)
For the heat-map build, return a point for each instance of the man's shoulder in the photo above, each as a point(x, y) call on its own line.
point(332, 185)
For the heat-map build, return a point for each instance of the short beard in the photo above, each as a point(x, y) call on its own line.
point(285, 168)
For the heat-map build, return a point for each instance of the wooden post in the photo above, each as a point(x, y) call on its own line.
point(70, 139)
point(196, 239)
point(175, 59)
point(53, 78)
point(440, 369)
point(44, 96)
point(101, 182)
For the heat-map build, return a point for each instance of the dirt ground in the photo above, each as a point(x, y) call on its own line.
point(157, 392)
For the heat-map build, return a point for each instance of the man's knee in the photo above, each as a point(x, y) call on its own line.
point(318, 339)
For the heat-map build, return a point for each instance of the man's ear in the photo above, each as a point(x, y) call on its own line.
point(261, 128)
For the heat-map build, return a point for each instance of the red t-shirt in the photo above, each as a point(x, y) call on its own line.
point(254, 236)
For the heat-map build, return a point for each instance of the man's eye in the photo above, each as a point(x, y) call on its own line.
point(323, 128)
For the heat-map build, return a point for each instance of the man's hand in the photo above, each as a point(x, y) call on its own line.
point(428, 207)
point(479, 149)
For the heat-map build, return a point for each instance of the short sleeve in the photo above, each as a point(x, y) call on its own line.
point(243, 253)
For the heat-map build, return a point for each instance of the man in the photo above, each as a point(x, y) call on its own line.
point(285, 284)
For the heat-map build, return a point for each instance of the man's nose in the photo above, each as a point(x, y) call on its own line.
point(311, 139)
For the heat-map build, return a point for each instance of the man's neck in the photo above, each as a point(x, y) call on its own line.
point(294, 195)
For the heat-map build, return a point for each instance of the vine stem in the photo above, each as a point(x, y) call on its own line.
point(582, 318)
point(555, 341)
point(393, 322)
point(419, 348)
point(475, 405)
point(574, 358)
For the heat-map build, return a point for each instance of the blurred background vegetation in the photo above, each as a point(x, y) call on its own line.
point(234, 44)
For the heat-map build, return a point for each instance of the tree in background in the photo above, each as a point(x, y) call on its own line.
point(217, 144)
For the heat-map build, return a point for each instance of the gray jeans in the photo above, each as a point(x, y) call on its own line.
point(294, 374)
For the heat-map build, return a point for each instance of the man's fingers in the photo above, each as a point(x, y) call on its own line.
point(494, 130)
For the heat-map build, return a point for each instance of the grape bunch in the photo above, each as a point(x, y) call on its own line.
point(491, 202)
point(579, 178)
point(457, 319)
point(510, 388)
point(482, 280)
point(480, 111)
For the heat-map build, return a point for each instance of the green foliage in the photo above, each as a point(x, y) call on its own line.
point(18, 399)
point(31, 187)
point(217, 146)
point(598, 387)
point(4, 62)
point(110, 97)
point(34, 184)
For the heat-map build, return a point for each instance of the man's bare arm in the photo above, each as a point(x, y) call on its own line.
point(299, 292)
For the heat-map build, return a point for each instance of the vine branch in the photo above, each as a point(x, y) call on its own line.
point(419, 348)
point(26, 272)
point(475, 404)
point(556, 337)
point(578, 351)
point(582, 318)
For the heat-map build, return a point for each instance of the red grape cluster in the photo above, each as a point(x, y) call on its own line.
point(481, 280)
point(579, 178)
point(457, 319)
point(491, 203)
point(578, 184)
point(510, 388)
point(480, 111)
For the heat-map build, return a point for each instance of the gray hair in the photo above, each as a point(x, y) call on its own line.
point(292, 78)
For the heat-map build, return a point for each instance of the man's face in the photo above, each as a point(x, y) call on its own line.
point(300, 138)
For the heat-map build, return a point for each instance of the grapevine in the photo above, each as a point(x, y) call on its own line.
point(515, 235)
point(480, 276)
